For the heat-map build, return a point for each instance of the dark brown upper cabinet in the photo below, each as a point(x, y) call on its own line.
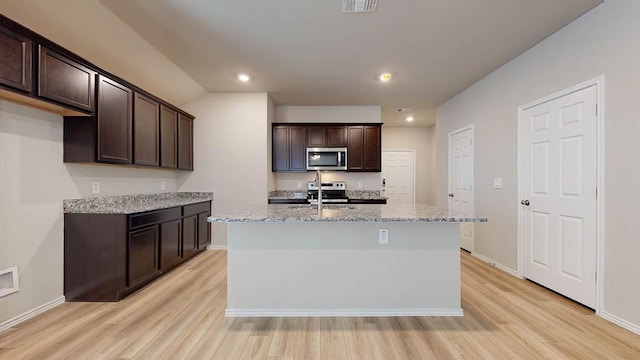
point(146, 131)
point(65, 81)
point(316, 136)
point(168, 137)
point(289, 148)
point(16, 56)
point(326, 136)
point(364, 148)
point(185, 142)
point(355, 148)
point(336, 136)
point(114, 122)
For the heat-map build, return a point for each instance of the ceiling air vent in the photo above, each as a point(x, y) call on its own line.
point(355, 6)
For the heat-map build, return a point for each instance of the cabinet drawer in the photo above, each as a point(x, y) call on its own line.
point(154, 217)
point(196, 208)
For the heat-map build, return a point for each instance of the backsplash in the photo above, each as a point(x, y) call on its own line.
point(298, 194)
point(355, 181)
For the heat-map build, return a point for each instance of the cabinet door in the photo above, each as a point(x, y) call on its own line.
point(170, 244)
point(336, 136)
point(185, 142)
point(316, 136)
point(168, 137)
point(189, 236)
point(114, 122)
point(143, 255)
point(355, 148)
point(372, 150)
point(16, 53)
point(298, 148)
point(146, 131)
point(65, 81)
point(204, 231)
point(280, 148)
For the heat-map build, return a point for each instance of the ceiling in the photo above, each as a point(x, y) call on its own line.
point(307, 52)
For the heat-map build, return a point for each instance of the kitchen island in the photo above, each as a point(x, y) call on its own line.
point(289, 260)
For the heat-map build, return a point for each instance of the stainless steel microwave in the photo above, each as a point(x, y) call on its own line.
point(326, 158)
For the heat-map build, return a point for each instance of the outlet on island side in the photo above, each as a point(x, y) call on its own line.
point(163, 185)
point(95, 187)
point(383, 236)
point(360, 184)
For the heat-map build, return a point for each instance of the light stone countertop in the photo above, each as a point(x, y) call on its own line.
point(131, 204)
point(287, 213)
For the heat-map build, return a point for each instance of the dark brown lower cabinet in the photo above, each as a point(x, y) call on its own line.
point(109, 256)
point(189, 236)
point(170, 245)
point(143, 255)
point(204, 231)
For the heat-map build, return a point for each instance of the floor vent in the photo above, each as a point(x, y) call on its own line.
point(357, 6)
point(9, 281)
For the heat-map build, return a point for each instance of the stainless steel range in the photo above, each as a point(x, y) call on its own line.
point(332, 192)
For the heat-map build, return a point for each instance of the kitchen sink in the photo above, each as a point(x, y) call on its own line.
point(325, 206)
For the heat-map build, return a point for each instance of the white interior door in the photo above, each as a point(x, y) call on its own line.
point(558, 184)
point(461, 197)
point(398, 176)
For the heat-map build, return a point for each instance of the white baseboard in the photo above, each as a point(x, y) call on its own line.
point(506, 269)
point(216, 247)
point(340, 312)
point(621, 322)
point(31, 313)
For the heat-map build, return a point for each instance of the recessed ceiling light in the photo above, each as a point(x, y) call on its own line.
point(385, 77)
point(244, 77)
point(409, 118)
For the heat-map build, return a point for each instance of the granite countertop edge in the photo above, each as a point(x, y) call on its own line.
point(342, 214)
point(131, 204)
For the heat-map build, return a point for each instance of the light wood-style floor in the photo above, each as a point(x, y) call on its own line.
point(181, 316)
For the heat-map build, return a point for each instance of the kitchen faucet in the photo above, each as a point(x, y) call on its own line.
point(318, 182)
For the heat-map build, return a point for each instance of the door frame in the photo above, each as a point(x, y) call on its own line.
point(415, 166)
point(598, 82)
point(473, 172)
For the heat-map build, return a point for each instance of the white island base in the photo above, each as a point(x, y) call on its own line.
point(340, 269)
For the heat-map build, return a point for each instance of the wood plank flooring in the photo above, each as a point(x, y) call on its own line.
point(181, 316)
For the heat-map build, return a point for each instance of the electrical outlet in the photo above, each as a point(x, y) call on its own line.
point(163, 185)
point(299, 185)
point(383, 236)
point(95, 187)
point(497, 183)
point(360, 184)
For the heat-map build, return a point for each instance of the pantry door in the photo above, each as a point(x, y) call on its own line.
point(558, 213)
point(398, 176)
point(461, 198)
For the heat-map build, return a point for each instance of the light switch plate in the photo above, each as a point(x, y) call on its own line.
point(497, 183)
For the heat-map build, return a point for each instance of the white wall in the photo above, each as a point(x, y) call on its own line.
point(604, 41)
point(231, 148)
point(33, 183)
point(328, 114)
point(420, 139)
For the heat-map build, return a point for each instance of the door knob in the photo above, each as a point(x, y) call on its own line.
point(525, 202)
point(451, 195)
